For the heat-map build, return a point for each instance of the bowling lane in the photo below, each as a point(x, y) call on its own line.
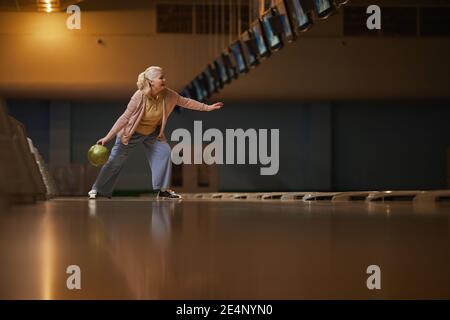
point(139, 248)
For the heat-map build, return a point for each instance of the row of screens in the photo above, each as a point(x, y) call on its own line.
point(279, 24)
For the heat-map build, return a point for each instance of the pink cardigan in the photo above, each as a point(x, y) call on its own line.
point(129, 120)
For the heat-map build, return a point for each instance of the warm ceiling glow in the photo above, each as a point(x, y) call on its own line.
point(48, 5)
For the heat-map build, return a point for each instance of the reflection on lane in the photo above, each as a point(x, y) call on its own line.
point(225, 250)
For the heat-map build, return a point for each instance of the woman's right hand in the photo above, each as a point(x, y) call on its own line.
point(102, 141)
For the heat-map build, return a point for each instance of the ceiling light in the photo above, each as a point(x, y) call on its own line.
point(48, 5)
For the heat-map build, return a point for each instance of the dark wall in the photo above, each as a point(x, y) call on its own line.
point(323, 146)
point(390, 145)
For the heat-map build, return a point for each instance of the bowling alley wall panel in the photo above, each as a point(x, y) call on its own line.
point(320, 65)
point(24, 175)
point(323, 145)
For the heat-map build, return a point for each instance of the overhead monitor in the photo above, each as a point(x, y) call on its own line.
point(261, 42)
point(230, 66)
point(250, 48)
point(185, 93)
point(210, 81)
point(272, 29)
point(301, 20)
point(286, 21)
point(221, 71)
point(203, 81)
point(191, 90)
point(238, 54)
point(198, 90)
point(323, 8)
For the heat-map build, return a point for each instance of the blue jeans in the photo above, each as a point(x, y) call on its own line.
point(158, 156)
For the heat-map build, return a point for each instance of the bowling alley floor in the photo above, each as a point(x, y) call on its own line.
point(140, 248)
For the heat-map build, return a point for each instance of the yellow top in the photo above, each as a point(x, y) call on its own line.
point(152, 116)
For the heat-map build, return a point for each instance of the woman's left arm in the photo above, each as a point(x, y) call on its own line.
point(195, 105)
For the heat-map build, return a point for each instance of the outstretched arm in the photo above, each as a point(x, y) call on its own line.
point(195, 105)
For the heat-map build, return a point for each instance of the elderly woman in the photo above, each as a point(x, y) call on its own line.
point(143, 122)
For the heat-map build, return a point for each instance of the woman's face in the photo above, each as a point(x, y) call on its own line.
point(158, 84)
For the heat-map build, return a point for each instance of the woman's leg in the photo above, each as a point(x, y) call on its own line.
point(107, 178)
point(158, 156)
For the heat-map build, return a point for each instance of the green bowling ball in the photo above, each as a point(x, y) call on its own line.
point(98, 155)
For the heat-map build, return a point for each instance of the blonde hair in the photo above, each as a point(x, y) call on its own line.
point(149, 74)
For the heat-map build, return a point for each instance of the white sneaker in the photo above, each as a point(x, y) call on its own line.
point(92, 194)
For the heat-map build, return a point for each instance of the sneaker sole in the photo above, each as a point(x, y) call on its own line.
point(165, 198)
